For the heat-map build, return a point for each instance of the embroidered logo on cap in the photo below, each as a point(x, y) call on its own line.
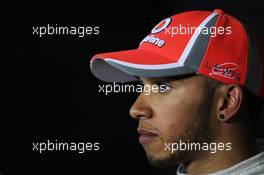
point(227, 70)
point(161, 26)
point(151, 39)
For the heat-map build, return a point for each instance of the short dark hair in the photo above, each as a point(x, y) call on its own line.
point(210, 85)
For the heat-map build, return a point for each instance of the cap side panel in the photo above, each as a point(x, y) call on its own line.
point(193, 39)
point(198, 50)
point(225, 59)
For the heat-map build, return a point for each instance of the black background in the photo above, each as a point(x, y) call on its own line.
point(54, 96)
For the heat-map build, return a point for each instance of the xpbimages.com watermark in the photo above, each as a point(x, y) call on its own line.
point(131, 88)
point(55, 29)
point(55, 145)
point(191, 146)
point(190, 30)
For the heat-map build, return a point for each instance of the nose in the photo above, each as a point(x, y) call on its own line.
point(141, 108)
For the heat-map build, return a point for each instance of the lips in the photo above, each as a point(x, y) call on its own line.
point(146, 136)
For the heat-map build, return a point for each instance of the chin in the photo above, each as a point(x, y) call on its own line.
point(165, 159)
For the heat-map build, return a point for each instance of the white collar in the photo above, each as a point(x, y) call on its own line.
point(246, 166)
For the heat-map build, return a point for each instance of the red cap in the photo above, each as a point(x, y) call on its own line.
point(213, 44)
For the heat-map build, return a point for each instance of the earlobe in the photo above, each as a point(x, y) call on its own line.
point(231, 103)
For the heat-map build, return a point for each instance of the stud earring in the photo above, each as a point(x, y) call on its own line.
point(221, 117)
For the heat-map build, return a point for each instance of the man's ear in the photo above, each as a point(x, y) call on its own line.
point(230, 101)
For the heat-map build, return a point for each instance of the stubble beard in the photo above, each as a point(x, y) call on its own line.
point(197, 131)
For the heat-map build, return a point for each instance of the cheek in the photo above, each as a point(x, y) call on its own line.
point(172, 118)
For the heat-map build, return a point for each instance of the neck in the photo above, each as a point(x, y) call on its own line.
point(206, 162)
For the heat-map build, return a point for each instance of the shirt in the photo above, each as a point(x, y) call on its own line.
point(253, 165)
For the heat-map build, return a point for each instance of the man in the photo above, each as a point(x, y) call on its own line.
point(210, 79)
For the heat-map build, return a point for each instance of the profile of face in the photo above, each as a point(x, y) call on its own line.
point(180, 112)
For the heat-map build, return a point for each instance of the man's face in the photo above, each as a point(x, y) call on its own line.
point(180, 112)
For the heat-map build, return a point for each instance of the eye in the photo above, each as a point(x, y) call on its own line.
point(164, 87)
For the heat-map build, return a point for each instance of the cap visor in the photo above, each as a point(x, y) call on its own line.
point(125, 66)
